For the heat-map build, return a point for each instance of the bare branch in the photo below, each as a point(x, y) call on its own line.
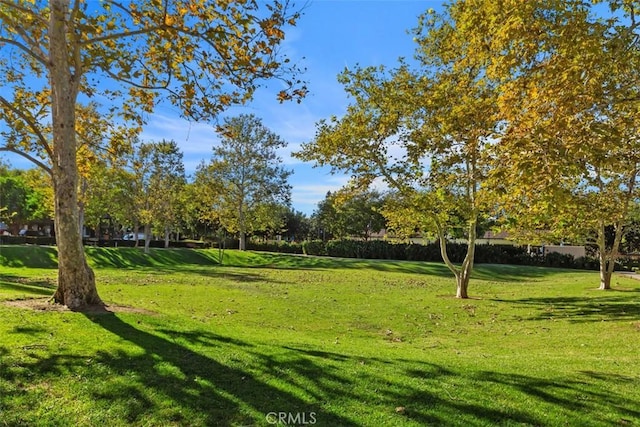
point(28, 157)
point(38, 57)
point(138, 85)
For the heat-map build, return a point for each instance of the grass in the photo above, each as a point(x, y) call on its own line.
point(316, 341)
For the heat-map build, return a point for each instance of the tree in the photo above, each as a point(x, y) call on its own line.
point(272, 220)
point(243, 175)
point(568, 161)
point(166, 184)
point(101, 147)
point(203, 56)
point(350, 212)
point(425, 132)
point(158, 182)
point(108, 190)
point(297, 225)
point(21, 200)
point(326, 219)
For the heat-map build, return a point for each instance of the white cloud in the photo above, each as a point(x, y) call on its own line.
point(306, 195)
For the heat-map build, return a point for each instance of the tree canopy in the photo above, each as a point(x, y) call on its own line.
point(527, 111)
point(244, 176)
point(199, 55)
point(568, 158)
point(424, 131)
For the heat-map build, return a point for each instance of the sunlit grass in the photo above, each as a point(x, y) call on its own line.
point(355, 343)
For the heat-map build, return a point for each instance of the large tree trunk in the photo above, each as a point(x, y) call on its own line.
point(76, 281)
point(166, 237)
point(83, 192)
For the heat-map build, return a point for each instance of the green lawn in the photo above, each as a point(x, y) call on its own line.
point(316, 341)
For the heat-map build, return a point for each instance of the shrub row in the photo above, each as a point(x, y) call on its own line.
point(27, 240)
point(51, 241)
point(485, 254)
point(382, 249)
point(376, 249)
point(281, 247)
point(152, 244)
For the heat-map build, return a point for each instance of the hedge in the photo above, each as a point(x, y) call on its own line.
point(485, 254)
point(376, 249)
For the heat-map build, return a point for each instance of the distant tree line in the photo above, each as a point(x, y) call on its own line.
point(241, 191)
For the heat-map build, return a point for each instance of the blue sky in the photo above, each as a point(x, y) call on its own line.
point(331, 35)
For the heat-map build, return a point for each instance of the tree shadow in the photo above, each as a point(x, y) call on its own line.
point(31, 286)
point(625, 306)
point(516, 273)
point(29, 256)
point(220, 393)
point(587, 396)
point(215, 273)
point(29, 330)
point(168, 382)
point(579, 395)
point(156, 258)
point(487, 272)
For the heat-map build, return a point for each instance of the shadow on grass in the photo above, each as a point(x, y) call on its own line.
point(588, 394)
point(489, 272)
point(611, 305)
point(36, 287)
point(233, 275)
point(232, 382)
point(516, 273)
point(185, 260)
point(156, 258)
point(220, 394)
point(29, 256)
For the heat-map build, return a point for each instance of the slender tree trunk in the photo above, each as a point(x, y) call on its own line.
point(166, 237)
point(242, 245)
point(468, 263)
point(462, 285)
point(605, 277)
point(608, 257)
point(462, 273)
point(147, 238)
point(136, 226)
point(76, 281)
point(242, 233)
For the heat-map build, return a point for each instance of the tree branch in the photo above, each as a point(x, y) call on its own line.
point(443, 248)
point(41, 59)
point(28, 157)
point(31, 122)
point(123, 35)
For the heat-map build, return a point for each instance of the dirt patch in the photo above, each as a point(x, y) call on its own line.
point(45, 304)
